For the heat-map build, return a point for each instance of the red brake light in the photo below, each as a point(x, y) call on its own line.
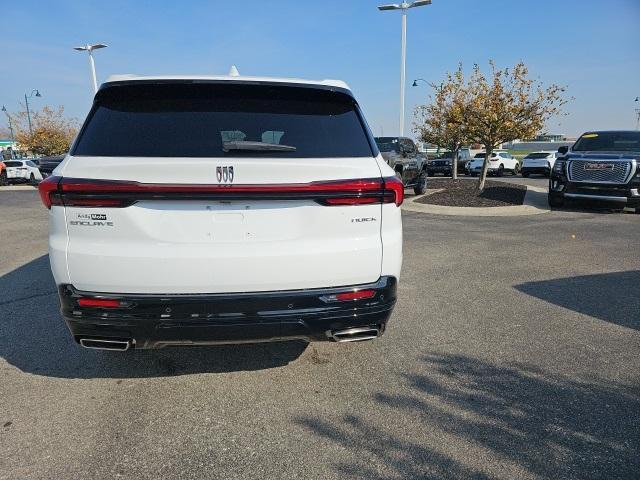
point(99, 302)
point(395, 185)
point(82, 192)
point(48, 189)
point(359, 295)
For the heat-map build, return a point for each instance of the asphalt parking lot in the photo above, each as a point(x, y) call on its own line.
point(513, 353)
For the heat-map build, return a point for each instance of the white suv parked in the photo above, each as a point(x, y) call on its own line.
point(499, 163)
point(22, 171)
point(539, 162)
point(198, 210)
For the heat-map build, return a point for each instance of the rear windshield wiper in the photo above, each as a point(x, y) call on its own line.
point(256, 146)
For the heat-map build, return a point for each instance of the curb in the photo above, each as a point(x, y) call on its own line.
point(535, 203)
point(13, 188)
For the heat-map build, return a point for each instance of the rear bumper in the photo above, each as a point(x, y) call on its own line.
point(154, 321)
point(533, 169)
point(444, 169)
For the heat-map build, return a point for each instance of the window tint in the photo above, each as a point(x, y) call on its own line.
point(194, 120)
point(388, 144)
point(408, 146)
point(608, 142)
point(537, 155)
point(13, 164)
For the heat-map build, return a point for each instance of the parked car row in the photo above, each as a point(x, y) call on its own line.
point(32, 170)
point(501, 162)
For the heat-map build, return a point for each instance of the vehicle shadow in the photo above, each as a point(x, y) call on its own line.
point(506, 421)
point(612, 297)
point(34, 338)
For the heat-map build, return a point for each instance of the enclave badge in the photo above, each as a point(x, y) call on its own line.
point(224, 174)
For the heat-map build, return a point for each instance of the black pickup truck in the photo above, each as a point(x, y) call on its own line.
point(46, 165)
point(602, 166)
point(410, 165)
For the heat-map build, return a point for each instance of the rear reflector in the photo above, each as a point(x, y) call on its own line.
point(349, 296)
point(360, 295)
point(99, 302)
point(81, 192)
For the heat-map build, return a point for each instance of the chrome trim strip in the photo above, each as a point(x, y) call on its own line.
point(597, 197)
point(118, 344)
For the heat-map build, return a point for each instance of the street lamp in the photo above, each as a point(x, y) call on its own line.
point(637, 115)
point(4, 109)
point(432, 85)
point(26, 102)
point(90, 49)
point(404, 6)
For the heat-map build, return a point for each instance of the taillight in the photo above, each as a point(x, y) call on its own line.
point(90, 193)
point(395, 185)
point(48, 190)
point(99, 302)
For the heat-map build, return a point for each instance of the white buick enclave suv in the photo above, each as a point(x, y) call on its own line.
point(203, 210)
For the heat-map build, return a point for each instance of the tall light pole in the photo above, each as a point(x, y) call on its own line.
point(4, 109)
point(92, 64)
point(637, 115)
point(26, 102)
point(404, 6)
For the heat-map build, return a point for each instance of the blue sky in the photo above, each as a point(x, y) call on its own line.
point(590, 46)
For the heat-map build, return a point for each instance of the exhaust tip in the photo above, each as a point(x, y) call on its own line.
point(355, 334)
point(102, 344)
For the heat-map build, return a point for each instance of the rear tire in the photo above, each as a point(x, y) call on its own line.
point(516, 170)
point(500, 172)
point(421, 186)
point(3, 179)
point(32, 179)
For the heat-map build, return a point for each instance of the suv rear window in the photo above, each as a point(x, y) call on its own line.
point(537, 155)
point(195, 120)
point(12, 164)
point(388, 144)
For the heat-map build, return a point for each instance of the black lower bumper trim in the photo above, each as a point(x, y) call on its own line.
point(537, 170)
point(626, 195)
point(152, 321)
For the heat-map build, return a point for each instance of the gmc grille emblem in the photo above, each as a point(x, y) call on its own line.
point(598, 166)
point(224, 174)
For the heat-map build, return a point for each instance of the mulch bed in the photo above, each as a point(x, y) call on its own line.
point(463, 193)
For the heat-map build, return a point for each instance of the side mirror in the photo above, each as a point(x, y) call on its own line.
point(563, 150)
